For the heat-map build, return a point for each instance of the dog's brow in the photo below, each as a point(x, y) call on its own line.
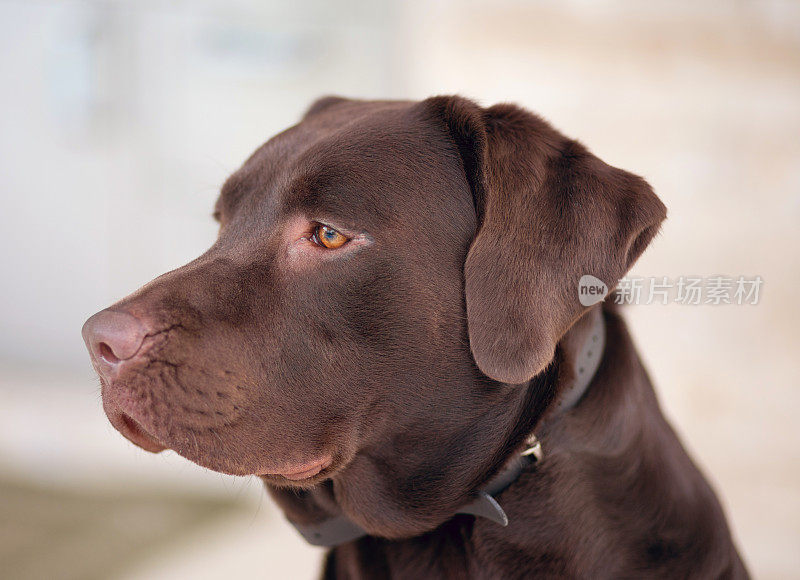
point(337, 192)
point(230, 193)
point(230, 187)
point(332, 204)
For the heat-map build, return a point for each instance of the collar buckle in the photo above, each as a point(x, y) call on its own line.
point(533, 447)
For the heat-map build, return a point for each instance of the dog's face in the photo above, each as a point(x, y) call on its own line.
point(380, 269)
point(331, 298)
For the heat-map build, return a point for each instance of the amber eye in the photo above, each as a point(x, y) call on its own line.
point(328, 237)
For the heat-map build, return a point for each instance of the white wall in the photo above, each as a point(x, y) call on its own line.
point(119, 123)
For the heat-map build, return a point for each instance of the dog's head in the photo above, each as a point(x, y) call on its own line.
point(383, 272)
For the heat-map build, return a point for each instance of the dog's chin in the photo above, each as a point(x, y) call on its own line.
point(285, 474)
point(221, 448)
point(297, 475)
point(291, 474)
point(213, 455)
point(303, 475)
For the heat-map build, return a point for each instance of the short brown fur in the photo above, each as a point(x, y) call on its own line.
point(421, 360)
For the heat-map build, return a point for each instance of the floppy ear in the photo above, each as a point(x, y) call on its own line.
point(549, 212)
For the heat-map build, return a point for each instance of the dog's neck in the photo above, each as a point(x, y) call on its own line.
point(578, 358)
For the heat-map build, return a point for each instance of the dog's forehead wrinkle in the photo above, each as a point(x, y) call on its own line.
point(357, 181)
point(360, 170)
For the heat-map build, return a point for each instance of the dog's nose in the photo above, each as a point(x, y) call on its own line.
point(113, 337)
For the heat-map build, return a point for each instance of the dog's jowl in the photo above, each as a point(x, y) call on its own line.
point(389, 332)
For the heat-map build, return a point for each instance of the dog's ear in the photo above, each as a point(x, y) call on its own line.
point(548, 212)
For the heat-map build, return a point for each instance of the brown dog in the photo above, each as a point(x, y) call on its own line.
point(390, 311)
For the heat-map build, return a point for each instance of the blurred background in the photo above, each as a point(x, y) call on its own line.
point(119, 120)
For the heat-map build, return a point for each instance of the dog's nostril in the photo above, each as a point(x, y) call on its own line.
point(107, 353)
point(113, 337)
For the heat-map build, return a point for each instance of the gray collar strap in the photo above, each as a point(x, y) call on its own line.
point(340, 530)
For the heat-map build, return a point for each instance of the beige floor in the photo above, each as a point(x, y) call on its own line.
point(76, 533)
point(80, 533)
point(242, 546)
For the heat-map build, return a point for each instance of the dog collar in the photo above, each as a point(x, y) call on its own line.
point(338, 530)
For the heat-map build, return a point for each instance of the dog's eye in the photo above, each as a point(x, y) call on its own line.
point(327, 237)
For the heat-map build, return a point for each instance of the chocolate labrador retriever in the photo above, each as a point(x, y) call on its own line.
point(388, 332)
